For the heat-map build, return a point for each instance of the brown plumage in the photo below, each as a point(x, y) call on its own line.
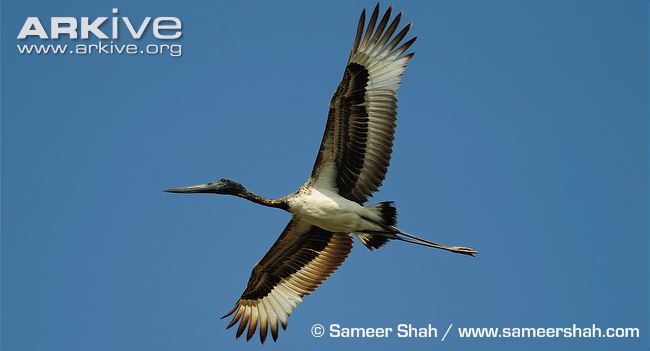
point(351, 164)
point(358, 138)
point(297, 263)
point(353, 157)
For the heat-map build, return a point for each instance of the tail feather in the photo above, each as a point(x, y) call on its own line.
point(372, 241)
point(386, 211)
point(388, 214)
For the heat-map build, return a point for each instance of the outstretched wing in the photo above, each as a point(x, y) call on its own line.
point(298, 262)
point(358, 139)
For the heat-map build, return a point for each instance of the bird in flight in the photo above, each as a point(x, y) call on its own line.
point(329, 208)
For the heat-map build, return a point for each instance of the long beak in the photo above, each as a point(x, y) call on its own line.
point(192, 189)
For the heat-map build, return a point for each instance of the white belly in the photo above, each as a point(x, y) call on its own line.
point(332, 212)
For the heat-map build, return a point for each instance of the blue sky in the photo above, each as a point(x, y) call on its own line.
point(522, 132)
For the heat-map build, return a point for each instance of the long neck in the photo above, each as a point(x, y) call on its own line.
point(277, 203)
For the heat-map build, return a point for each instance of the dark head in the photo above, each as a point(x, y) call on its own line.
point(221, 186)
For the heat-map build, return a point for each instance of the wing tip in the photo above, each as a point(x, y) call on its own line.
point(231, 311)
point(242, 326)
point(374, 38)
point(361, 24)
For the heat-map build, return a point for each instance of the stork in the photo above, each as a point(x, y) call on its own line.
point(328, 209)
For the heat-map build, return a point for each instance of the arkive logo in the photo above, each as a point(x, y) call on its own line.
point(113, 29)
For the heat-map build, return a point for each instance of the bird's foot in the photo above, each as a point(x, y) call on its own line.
point(463, 250)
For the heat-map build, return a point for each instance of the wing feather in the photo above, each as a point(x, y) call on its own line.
point(357, 144)
point(297, 263)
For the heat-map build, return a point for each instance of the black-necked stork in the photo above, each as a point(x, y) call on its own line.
point(352, 161)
